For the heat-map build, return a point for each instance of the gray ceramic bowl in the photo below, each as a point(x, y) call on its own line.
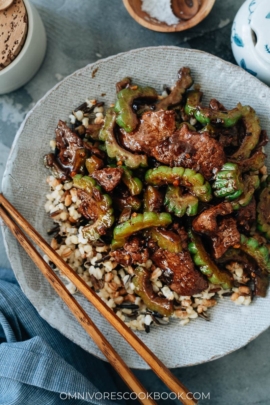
point(24, 184)
point(28, 61)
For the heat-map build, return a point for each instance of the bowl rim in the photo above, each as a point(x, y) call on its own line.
point(26, 45)
point(155, 25)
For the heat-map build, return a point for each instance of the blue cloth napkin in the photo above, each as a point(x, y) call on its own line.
point(38, 365)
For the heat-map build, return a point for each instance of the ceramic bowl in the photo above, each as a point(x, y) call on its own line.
point(251, 38)
point(134, 8)
point(27, 63)
point(24, 184)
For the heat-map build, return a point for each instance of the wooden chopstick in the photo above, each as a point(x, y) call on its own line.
point(105, 347)
point(183, 394)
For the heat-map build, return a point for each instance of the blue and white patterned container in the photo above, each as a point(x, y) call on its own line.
point(251, 38)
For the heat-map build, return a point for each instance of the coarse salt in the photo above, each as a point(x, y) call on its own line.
point(161, 10)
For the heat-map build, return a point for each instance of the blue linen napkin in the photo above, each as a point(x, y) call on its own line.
point(38, 365)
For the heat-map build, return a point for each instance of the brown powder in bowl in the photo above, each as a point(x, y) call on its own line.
point(13, 31)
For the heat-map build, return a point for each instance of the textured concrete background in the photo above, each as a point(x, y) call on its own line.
point(80, 32)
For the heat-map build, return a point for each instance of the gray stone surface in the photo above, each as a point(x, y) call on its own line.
point(80, 32)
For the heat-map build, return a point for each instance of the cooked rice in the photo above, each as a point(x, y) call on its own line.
point(113, 282)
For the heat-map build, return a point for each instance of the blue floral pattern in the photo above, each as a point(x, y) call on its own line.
point(237, 40)
point(251, 8)
point(268, 16)
point(244, 66)
point(267, 47)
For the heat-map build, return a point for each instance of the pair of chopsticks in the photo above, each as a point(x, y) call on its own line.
point(14, 221)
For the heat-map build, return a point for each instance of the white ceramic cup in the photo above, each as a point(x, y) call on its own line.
point(28, 61)
point(251, 38)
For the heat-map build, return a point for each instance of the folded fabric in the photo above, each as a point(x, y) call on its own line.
point(38, 365)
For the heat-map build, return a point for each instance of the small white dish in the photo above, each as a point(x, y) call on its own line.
point(251, 38)
point(27, 63)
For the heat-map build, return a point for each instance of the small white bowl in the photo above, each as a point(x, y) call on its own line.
point(251, 38)
point(28, 61)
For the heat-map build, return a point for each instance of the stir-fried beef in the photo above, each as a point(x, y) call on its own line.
point(214, 104)
point(237, 255)
point(206, 222)
point(191, 150)
point(93, 130)
point(155, 203)
point(71, 148)
point(251, 269)
point(183, 235)
point(122, 84)
point(133, 252)
point(154, 198)
point(154, 128)
point(186, 280)
point(108, 178)
point(247, 215)
point(52, 163)
point(228, 137)
point(263, 139)
point(226, 236)
point(152, 232)
point(156, 136)
point(183, 83)
point(261, 283)
point(125, 215)
point(257, 159)
point(123, 199)
point(94, 150)
point(88, 207)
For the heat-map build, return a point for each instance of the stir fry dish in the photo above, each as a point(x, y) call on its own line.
point(161, 202)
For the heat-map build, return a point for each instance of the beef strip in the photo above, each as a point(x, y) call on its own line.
point(133, 252)
point(155, 127)
point(52, 163)
point(206, 222)
point(263, 139)
point(183, 83)
point(156, 136)
point(93, 130)
point(245, 164)
point(183, 235)
point(152, 245)
point(108, 178)
point(214, 104)
point(122, 84)
point(246, 216)
point(123, 199)
point(89, 207)
point(125, 215)
point(93, 149)
point(186, 280)
point(192, 150)
point(71, 148)
point(155, 199)
point(228, 137)
point(260, 278)
point(261, 283)
point(226, 236)
point(237, 255)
